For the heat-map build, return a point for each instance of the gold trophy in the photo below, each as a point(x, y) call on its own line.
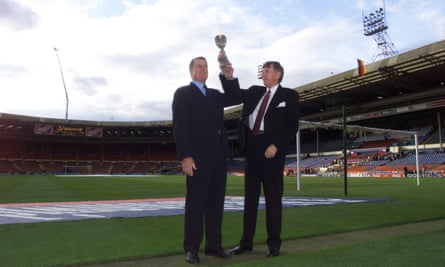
point(220, 41)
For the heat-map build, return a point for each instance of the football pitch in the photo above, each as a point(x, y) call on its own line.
point(145, 240)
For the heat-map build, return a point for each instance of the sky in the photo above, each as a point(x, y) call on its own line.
point(122, 60)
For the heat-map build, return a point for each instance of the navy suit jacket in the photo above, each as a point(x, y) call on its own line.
point(281, 117)
point(198, 124)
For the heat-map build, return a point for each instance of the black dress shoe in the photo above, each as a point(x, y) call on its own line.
point(217, 253)
point(191, 257)
point(273, 252)
point(240, 249)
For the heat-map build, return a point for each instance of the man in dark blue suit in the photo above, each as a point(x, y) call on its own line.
point(265, 135)
point(202, 147)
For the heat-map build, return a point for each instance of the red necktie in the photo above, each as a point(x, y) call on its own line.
point(260, 115)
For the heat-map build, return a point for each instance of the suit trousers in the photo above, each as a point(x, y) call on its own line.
point(268, 173)
point(204, 207)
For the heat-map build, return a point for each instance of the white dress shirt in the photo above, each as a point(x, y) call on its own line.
point(253, 115)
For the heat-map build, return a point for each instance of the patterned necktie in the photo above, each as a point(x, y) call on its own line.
point(260, 115)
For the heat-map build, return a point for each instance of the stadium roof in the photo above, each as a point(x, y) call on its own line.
point(17, 126)
point(416, 76)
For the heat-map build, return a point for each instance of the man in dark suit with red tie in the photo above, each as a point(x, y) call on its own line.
point(202, 147)
point(265, 136)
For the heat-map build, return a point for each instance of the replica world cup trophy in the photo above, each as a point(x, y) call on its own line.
point(220, 41)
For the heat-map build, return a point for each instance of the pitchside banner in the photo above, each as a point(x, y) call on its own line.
point(50, 129)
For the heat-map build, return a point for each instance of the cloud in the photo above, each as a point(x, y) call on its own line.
point(153, 111)
point(123, 60)
point(8, 70)
point(88, 85)
point(16, 16)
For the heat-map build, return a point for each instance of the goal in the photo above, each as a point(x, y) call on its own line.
point(78, 169)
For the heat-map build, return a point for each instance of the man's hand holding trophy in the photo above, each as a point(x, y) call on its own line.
point(224, 63)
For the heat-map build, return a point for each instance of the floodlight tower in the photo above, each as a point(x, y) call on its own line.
point(64, 87)
point(375, 25)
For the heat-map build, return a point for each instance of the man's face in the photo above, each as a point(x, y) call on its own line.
point(199, 71)
point(270, 76)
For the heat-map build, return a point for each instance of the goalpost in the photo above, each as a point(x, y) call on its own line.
point(78, 169)
point(314, 125)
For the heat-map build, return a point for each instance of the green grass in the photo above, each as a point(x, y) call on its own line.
point(48, 188)
point(412, 250)
point(77, 242)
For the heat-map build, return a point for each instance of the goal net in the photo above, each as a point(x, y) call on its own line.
point(78, 169)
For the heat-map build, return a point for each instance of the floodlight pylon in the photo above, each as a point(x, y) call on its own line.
point(374, 24)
